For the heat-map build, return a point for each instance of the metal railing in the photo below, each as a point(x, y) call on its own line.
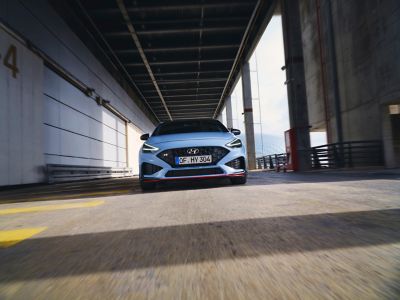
point(272, 162)
point(337, 155)
point(347, 155)
point(61, 173)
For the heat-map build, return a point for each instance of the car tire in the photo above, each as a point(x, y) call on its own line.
point(239, 180)
point(147, 186)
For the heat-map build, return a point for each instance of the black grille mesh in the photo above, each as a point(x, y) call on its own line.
point(169, 155)
point(194, 172)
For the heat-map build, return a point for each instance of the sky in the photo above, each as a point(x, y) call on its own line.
point(270, 105)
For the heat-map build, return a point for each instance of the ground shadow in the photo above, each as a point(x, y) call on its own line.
point(39, 258)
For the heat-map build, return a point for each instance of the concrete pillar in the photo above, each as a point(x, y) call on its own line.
point(391, 135)
point(229, 116)
point(295, 80)
point(248, 116)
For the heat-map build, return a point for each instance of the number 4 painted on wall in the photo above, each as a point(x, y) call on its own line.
point(10, 60)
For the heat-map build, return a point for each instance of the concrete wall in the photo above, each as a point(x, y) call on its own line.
point(21, 155)
point(367, 39)
point(75, 129)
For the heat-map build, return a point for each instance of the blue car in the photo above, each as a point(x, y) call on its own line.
point(191, 149)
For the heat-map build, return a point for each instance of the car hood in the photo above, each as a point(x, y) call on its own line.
point(187, 137)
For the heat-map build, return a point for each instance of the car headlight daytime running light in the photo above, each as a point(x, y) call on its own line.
point(147, 148)
point(236, 143)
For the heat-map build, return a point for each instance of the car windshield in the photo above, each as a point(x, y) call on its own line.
point(189, 126)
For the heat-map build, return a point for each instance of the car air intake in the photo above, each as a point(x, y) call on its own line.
point(194, 172)
point(169, 155)
point(237, 163)
point(149, 169)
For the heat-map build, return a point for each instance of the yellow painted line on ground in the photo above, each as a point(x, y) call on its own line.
point(72, 196)
point(19, 210)
point(9, 238)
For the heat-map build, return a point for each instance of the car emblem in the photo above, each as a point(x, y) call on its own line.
point(192, 151)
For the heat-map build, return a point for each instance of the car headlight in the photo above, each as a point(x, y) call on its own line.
point(147, 148)
point(236, 143)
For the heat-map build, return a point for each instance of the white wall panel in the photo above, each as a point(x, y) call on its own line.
point(73, 97)
point(51, 113)
point(21, 150)
point(74, 145)
point(121, 126)
point(110, 152)
point(74, 121)
point(109, 119)
point(96, 129)
point(52, 140)
point(96, 150)
point(51, 83)
point(121, 140)
point(121, 157)
point(109, 135)
point(53, 159)
point(86, 131)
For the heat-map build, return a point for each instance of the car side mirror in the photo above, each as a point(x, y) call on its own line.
point(235, 131)
point(145, 137)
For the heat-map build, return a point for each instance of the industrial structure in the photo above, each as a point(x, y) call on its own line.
point(81, 80)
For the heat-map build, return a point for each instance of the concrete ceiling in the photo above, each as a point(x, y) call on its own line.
point(182, 57)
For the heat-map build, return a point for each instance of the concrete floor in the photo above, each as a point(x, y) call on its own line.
point(282, 236)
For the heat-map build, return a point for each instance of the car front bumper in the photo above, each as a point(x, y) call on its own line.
point(218, 170)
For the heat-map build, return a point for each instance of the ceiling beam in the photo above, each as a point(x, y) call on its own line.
point(190, 20)
point(201, 101)
point(187, 105)
point(187, 89)
point(182, 62)
point(182, 81)
point(182, 30)
point(180, 48)
point(181, 73)
point(158, 8)
point(138, 45)
point(184, 96)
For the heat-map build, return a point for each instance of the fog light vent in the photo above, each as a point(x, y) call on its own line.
point(149, 169)
point(237, 163)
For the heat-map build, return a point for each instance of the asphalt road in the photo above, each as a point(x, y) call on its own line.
point(282, 236)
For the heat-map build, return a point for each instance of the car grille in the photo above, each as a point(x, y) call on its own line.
point(194, 172)
point(169, 155)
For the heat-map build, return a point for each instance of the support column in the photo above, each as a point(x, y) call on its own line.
point(248, 117)
point(229, 117)
point(295, 80)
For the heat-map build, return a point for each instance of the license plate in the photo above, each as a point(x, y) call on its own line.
point(193, 160)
